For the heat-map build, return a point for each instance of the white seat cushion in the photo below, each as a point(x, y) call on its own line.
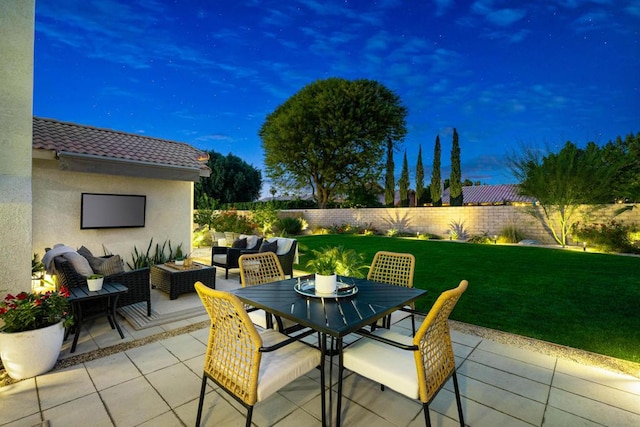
point(383, 363)
point(220, 258)
point(279, 368)
point(259, 318)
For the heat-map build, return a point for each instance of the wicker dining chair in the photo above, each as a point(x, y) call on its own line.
point(418, 367)
point(257, 269)
point(395, 269)
point(250, 365)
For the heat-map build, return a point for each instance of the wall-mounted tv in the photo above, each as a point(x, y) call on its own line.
point(112, 211)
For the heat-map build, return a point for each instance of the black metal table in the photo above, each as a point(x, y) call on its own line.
point(334, 317)
point(109, 294)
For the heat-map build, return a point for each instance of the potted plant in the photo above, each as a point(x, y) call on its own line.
point(331, 261)
point(32, 331)
point(95, 282)
point(179, 260)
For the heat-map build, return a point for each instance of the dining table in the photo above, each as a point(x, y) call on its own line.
point(358, 303)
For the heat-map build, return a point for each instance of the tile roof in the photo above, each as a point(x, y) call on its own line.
point(489, 194)
point(54, 135)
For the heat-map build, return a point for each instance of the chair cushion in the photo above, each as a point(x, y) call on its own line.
point(284, 245)
point(252, 241)
point(79, 263)
point(383, 363)
point(220, 259)
point(279, 368)
point(268, 246)
point(239, 243)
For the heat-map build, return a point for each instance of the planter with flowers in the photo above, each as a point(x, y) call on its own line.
point(32, 330)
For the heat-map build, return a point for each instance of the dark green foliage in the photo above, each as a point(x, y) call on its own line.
point(419, 179)
point(482, 238)
point(231, 180)
point(330, 135)
point(455, 184)
point(583, 300)
point(612, 236)
point(436, 178)
point(289, 226)
point(389, 179)
point(625, 153)
point(160, 255)
point(363, 196)
point(404, 182)
point(511, 234)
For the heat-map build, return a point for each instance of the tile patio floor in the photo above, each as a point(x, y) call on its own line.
point(157, 384)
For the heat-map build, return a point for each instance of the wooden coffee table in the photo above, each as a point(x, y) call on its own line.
point(176, 280)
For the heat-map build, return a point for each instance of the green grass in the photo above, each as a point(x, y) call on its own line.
point(582, 300)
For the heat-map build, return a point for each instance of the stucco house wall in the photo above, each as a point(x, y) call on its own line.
point(56, 210)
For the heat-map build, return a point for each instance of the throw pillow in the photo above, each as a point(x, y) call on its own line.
point(256, 246)
point(267, 246)
point(239, 243)
point(79, 263)
point(85, 253)
point(109, 266)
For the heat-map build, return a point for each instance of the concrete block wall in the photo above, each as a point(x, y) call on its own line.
point(475, 219)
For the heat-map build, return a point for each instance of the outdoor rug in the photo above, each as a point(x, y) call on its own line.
point(163, 310)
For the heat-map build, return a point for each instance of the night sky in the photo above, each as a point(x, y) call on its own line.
point(506, 74)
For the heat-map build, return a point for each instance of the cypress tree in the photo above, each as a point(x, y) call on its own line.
point(419, 179)
point(455, 182)
point(389, 183)
point(436, 190)
point(404, 182)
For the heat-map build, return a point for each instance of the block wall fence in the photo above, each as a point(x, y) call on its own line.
point(477, 219)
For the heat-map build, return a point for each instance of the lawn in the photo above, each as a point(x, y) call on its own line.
point(583, 300)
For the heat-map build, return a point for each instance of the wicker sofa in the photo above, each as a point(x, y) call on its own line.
point(136, 280)
point(227, 257)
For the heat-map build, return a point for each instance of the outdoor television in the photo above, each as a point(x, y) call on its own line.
point(112, 211)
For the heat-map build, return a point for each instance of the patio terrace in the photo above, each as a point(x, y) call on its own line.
point(152, 377)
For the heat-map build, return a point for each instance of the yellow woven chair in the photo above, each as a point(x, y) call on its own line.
point(249, 365)
point(417, 367)
point(395, 269)
point(257, 269)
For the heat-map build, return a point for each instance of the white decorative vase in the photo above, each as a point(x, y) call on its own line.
point(179, 262)
point(95, 284)
point(326, 284)
point(30, 353)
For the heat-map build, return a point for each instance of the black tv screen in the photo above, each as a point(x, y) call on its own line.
point(112, 211)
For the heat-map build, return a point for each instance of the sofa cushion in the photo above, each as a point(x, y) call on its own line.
point(268, 246)
point(220, 259)
point(107, 266)
point(253, 241)
point(239, 243)
point(79, 263)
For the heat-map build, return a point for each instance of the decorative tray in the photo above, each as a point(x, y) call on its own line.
point(308, 289)
point(173, 265)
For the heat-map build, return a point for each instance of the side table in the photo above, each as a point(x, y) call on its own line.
point(176, 280)
point(108, 294)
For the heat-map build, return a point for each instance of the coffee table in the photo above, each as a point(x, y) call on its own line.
point(176, 280)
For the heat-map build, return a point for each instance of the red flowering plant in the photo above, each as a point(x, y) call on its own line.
point(29, 311)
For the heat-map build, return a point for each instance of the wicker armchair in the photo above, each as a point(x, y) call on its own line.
point(247, 364)
point(418, 367)
point(137, 281)
point(395, 269)
point(259, 268)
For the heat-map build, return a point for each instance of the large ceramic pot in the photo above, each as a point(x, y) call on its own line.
point(30, 353)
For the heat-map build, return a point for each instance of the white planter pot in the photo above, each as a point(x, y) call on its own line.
point(326, 284)
point(179, 262)
point(95, 284)
point(31, 353)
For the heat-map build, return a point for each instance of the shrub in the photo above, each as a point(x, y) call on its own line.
point(290, 226)
point(231, 221)
point(613, 236)
point(481, 238)
point(457, 230)
point(392, 232)
point(511, 234)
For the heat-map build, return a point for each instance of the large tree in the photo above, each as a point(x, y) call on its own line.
point(419, 179)
point(436, 178)
point(332, 135)
point(403, 184)
point(561, 182)
point(389, 179)
point(455, 182)
point(231, 180)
